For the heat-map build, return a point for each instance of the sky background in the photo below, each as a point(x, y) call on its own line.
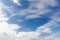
point(29, 19)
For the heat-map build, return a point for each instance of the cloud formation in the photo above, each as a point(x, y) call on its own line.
point(37, 8)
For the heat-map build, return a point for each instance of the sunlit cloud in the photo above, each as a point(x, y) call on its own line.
point(16, 2)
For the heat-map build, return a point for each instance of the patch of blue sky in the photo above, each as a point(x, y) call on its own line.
point(25, 3)
point(56, 8)
point(58, 2)
point(48, 14)
point(33, 24)
point(56, 29)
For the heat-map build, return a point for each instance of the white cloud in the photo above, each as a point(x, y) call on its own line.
point(28, 36)
point(32, 16)
point(54, 36)
point(2, 17)
point(4, 25)
point(17, 2)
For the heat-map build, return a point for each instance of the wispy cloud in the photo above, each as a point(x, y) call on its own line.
point(37, 8)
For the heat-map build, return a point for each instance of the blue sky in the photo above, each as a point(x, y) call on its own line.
point(30, 19)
